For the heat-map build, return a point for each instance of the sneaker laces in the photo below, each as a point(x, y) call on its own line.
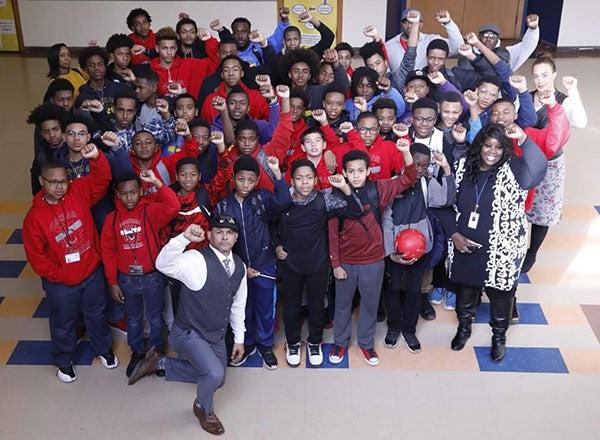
point(314, 349)
point(293, 349)
point(337, 351)
point(370, 352)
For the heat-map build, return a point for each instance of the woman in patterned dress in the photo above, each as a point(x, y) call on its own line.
point(488, 226)
point(548, 200)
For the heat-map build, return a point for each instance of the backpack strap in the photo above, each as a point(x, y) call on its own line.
point(163, 173)
point(261, 158)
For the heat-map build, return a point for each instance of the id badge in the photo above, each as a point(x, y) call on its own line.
point(73, 257)
point(473, 220)
point(136, 269)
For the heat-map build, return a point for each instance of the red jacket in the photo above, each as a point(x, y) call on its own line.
point(149, 43)
point(384, 158)
point(132, 237)
point(259, 107)
point(356, 245)
point(50, 232)
point(278, 147)
point(164, 167)
point(190, 211)
point(322, 181)
point(295, 149)
point(189, 72)
point(550, 139)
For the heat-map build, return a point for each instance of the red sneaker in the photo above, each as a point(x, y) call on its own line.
point(370, 355)
point(119, 325)
point(337, 353)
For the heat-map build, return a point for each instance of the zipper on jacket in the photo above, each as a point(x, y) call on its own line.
point(244, 229)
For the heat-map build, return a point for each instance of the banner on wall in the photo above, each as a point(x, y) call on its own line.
point(328, 12)
point(9, 41)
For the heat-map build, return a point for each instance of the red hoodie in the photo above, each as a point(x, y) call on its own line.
point(278, 147)
point(259, 107)
point(51, 232)
point(132, 237)
point(550, 139)
point(164, 167)
point(149, 43)
point(189, 72)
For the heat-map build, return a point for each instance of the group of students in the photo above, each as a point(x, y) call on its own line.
point(184, 183)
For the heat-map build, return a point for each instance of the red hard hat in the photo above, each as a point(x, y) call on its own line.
point(410, 243)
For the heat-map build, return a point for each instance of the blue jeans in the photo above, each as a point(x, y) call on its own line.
point(141, 291)
point(65, 303)
point(260, 310)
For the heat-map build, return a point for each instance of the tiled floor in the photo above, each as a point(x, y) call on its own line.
point(547, 387)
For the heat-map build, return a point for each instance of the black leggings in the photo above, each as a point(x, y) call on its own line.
point(538, 235)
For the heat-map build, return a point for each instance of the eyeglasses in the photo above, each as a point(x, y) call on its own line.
point(368, 130)
point(79, 134)
point(488, 35)
point(420, 120)
point(56, 183)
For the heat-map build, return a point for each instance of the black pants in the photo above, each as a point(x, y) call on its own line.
point(403, 306)
point(538, 235)
point(294, 284)
point(175, 288)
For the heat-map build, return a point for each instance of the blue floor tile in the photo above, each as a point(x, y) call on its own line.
point(254, 361)
point(524, 279)
point(326, 364)
point(16, 237)
point(43, 310)
point(40, 353)
point(11, 269)
point(530, 313)
point(523, 360)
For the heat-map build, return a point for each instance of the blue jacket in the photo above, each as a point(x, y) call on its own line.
point(254, 245)
point(252, 54)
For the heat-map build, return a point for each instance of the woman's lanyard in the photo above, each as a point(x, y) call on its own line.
point(474, 216)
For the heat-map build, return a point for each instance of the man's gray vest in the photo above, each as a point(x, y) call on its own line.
point(207, 310)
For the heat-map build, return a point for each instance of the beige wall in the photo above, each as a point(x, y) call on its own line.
point(77, 22)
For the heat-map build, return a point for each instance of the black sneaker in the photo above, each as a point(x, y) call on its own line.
point(249, 350)
point(391, 339)
point(66, 374)
point(411, 342)
point(110, 360)
point(427, 310)
point(268, 357)
point(135, 359)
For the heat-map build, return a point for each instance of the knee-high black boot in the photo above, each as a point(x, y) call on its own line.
point(500, 313)
point(466, 308)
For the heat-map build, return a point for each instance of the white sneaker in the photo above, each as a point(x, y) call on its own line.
point(292, 354)
point(66, 374)
point(315, 354)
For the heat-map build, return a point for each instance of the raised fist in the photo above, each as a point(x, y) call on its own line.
point(90, 152)
point(533, 20)
point(194, 233)
point(518, 82)
point(400, 130)
point(216, 25)
point(442, 17)
point(219, 103)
